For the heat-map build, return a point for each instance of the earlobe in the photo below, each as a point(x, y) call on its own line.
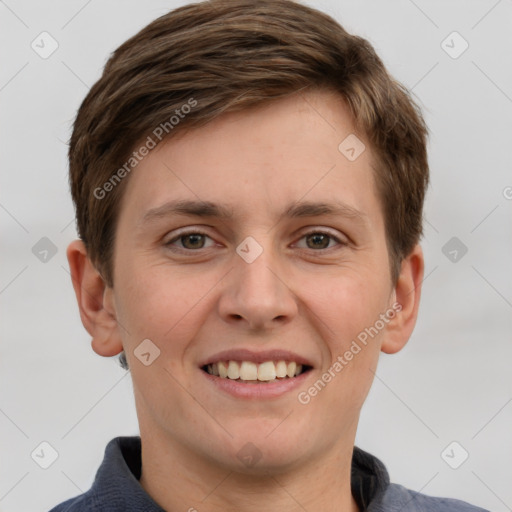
point(407, 295)
point(94, 299)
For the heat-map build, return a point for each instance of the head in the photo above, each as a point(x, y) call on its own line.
point(247, 105)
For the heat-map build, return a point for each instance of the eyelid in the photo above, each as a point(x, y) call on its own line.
point(327, 231)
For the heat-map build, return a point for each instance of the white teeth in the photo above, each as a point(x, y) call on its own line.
point(223, 369)
point(233, 372)
point(267, 371)
point(281, 369)
point(249, 371)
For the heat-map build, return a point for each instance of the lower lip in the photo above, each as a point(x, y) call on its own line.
point(260, 390)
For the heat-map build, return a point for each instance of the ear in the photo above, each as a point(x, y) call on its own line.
point(95, 301)
point(407, 294)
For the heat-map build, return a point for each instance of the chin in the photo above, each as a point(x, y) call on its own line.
point(261, 451)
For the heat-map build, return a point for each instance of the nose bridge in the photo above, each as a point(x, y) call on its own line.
point(258, 269)
point(257, 290)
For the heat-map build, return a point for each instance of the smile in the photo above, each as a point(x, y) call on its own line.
point(250, 372)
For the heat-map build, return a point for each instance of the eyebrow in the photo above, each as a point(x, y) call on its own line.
point(207, 209)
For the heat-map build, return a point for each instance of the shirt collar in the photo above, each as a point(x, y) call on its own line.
point(369, 480)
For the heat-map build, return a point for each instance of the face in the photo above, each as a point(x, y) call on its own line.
point(272, 282)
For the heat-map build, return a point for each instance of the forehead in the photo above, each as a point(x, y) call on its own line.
point(259, 161)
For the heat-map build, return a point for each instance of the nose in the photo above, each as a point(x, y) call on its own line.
point(258, 293)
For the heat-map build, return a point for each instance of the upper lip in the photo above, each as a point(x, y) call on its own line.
point(257, 357)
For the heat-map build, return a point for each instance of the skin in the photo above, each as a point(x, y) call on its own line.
point(297, 295)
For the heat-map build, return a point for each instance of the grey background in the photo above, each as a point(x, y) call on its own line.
point(452, 382)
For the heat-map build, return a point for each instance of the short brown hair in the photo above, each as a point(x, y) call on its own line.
point(225, 56)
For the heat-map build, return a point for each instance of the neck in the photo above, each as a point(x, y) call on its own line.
point(178, 479)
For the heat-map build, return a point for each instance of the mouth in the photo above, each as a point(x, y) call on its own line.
point(249, 372)
point(256, 375)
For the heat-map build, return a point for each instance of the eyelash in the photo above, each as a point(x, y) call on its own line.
point(183, 234)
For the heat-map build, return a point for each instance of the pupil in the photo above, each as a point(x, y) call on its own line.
point(192, 237)
point(320, 236)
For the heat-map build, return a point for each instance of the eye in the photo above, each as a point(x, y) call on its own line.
point(190, 240)
point(195, 240)
point(321, 239)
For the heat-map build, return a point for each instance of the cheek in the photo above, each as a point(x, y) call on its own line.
point(351, 304)
point(167, 308)
point(161, 305)
point(349, 314)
